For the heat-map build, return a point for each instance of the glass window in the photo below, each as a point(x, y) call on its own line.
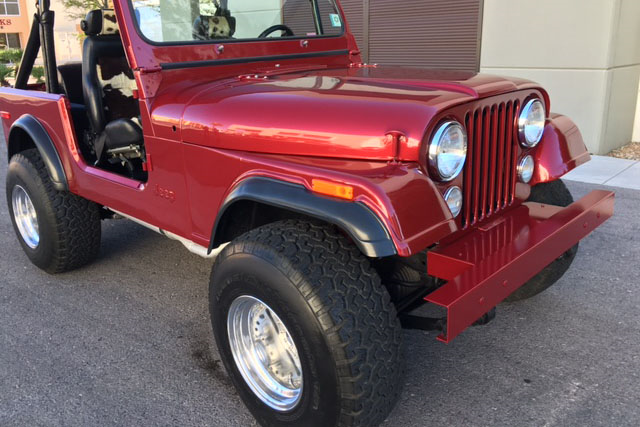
point(9, 41)
point(13, 41)
point(202, 20)
point(9, 7)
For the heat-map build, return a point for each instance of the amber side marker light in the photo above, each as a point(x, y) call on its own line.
point(332, 189)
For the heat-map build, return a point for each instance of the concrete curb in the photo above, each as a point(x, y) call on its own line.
point(608, 171)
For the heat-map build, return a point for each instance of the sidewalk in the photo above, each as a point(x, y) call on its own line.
point(608, 171)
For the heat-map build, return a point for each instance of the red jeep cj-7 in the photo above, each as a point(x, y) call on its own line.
point(338, 197)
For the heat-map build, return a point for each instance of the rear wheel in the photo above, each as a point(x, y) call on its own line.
point(305, 328)
point(58, 231)
point(551, 193)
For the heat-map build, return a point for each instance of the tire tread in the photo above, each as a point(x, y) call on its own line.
point(354, 309)
point(77, 230)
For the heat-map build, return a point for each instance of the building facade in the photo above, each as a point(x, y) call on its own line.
point(420, 33)
point(14, 24)
point(636, 129)
point(66, 35)
point(585, 52)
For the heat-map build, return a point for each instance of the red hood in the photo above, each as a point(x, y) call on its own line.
point(343, 113)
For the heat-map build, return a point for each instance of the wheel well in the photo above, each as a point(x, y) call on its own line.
point(403, 277)
point(19, 141)
point(27, 132)
point(245, 215)
point(258, 201)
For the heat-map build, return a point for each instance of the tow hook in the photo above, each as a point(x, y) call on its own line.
point(411, 321)
point(486, 318)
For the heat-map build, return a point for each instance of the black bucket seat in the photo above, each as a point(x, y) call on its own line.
point(108, 87)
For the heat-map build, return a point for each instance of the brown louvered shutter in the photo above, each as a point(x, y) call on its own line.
point(298, 15)
point(354, 11)
point(418, 33)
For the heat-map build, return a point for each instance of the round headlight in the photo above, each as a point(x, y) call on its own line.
point(453, 197)
point(525, 169)
point(531, 123)
point(448, 151)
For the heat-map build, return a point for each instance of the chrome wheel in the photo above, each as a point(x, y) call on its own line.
point(264, 353)
point(25, 216)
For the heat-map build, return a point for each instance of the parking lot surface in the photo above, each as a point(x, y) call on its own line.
point(126, 341)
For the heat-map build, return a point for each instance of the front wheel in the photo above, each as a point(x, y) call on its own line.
point(305, 328)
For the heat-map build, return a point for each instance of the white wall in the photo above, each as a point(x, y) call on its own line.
point(253, 17)
point(586, 53)
point(636, 129)
point(66, 33)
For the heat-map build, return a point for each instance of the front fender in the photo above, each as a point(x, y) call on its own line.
point(356, 219)
point(561, 150)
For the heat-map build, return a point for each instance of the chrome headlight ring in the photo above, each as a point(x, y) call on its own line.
point(448, 151)
point(531, 123)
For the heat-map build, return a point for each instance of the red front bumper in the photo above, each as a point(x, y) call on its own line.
point(487, 265)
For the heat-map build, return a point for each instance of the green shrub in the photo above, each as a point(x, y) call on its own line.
point(10, 56)
point(38, 74)
point(5, 71)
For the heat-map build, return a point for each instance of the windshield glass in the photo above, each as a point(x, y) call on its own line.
point(202, 20)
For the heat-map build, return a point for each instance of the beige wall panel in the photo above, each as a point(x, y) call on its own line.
point(577, 94)
point(587, 53)
point(627, 35)
point(63, 23)
point(547, 33)
point(620, 113)
point(636, 130)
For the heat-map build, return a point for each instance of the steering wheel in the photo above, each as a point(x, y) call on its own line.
point(287, 31)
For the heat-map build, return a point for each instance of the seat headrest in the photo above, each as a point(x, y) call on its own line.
point(100, 22)
point(207, 27)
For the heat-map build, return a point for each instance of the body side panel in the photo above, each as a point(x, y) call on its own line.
point(161, 201)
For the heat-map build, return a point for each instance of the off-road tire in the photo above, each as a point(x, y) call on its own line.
point(69, 226)
point(551, 193)
point(339, 315)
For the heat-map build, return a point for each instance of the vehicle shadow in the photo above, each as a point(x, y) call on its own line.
point(123, 237)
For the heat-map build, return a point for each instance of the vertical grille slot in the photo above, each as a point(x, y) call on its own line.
point(490, 174)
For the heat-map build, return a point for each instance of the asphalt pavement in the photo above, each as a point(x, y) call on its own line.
point(126, 341)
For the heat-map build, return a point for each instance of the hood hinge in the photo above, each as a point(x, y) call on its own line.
point(397, 138)
point(150, 70)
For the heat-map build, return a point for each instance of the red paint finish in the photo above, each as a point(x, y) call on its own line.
point(341, 113)
point(485, 266)
point(316, 112)
point(399, 194)
point(561, 150)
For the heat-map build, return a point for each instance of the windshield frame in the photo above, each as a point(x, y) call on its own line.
point(316, 19)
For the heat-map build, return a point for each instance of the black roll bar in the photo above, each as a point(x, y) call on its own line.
point(29, 55)
point(41, 35)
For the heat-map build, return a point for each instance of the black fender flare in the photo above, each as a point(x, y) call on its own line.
point(41, 139)
point(356, 219)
